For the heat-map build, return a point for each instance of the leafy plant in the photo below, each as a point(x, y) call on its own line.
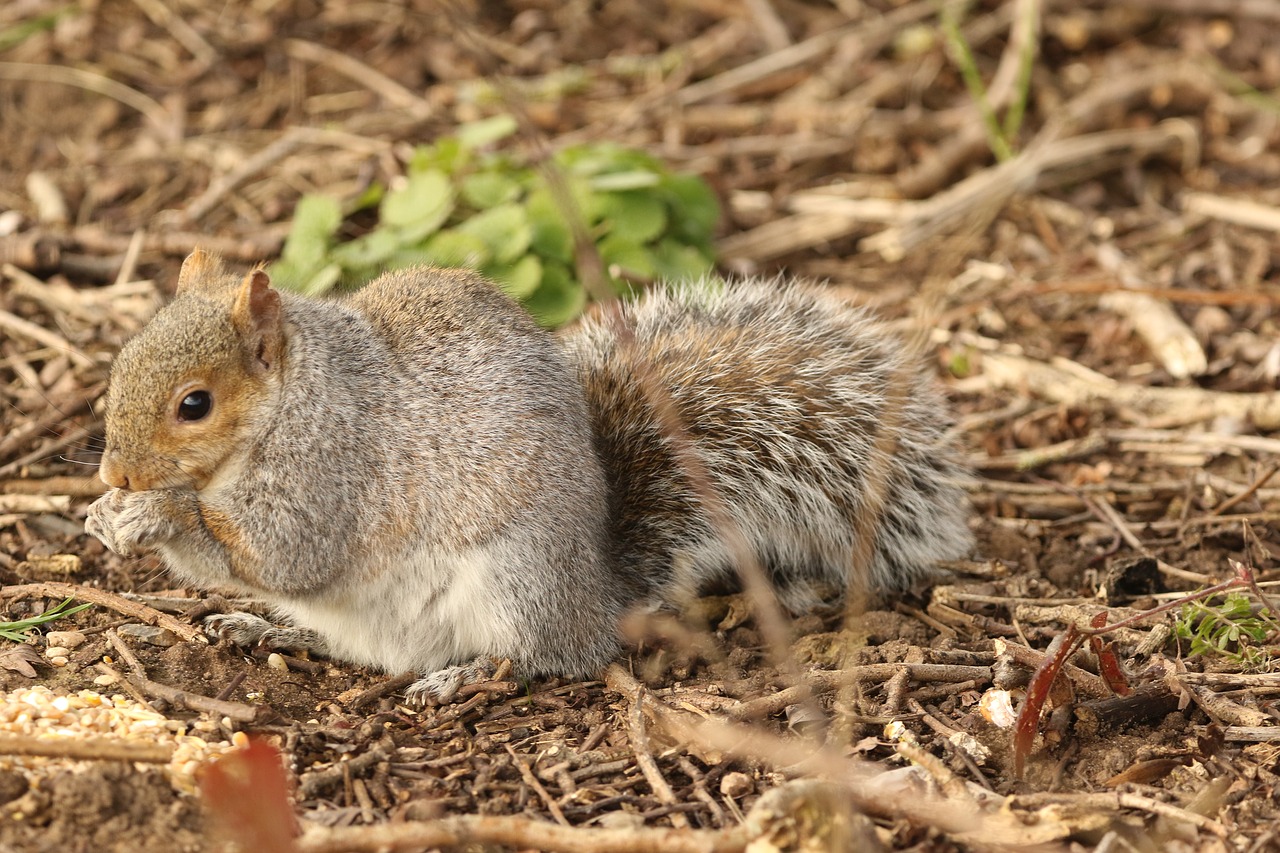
point(19, 631)
point(1231, 629)
point(461, 204)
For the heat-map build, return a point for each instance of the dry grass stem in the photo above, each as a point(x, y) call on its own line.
point(359, 72)
point(1171, 341)
point(1073, 384)
point(1236, 210)
point(91, 82)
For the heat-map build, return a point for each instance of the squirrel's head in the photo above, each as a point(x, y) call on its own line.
point(185, 391)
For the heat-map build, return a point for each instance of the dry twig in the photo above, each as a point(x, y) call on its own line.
point(1064, 381)
point(86, 749)
point(648, 766)
point(141, 612)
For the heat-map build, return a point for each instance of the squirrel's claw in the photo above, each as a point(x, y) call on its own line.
point(95, 528)
point(243, 629)
point(249, 629)
point(443, 685)
point(130, 522)
point(104, 522)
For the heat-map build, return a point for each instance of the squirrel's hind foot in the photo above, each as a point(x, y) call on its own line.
point(443, 684)
point(248, 629)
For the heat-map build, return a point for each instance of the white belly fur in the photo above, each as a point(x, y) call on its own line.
point(428, 611)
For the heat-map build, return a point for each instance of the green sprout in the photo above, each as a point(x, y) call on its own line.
point(1231, 630)
point(19, 631)
point(1001, 136)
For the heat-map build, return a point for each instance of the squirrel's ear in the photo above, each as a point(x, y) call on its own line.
point(199, 270)
point(256, 314)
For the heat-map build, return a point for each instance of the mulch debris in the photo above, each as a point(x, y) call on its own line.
point(1098, 299)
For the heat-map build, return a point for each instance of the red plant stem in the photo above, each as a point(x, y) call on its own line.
point(1028, 722)
point(1234, 583)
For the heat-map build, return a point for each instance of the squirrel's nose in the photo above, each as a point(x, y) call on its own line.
point(110, 472)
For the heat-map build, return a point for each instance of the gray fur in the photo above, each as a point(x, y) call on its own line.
point(424, 484)
point(787, 393)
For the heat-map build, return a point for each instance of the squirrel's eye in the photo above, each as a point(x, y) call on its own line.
point(195, 406)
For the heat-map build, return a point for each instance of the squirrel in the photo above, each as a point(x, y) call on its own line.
point(419, 477)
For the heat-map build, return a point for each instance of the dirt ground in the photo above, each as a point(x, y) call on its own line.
point(1099, 304)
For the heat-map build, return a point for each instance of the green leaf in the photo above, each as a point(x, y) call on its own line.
point(605, 158)
point(489, 189)
point(504, 229)
point(487, 131)
point(316, 215)
point(694, 209)
point(632, 257)
point(634, 179)
point(646, 221)
point(371, 197)
point(370, 250)
point(558, 299)
point(446, 155)
point(320, 282)
point(551, 237)
point(520, 279)
point(634, 216)
point(587, 160)
point(315, 220)
point(17, 631)
point(287, 275)
point(454, 248)
point(354, 278)
point(675, 261)
point(420, 206)
point(412, 256)
point(311, 282)
point(588, 203)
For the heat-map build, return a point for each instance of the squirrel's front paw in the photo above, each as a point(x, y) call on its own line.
point(130, 522)
point(443, 684)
